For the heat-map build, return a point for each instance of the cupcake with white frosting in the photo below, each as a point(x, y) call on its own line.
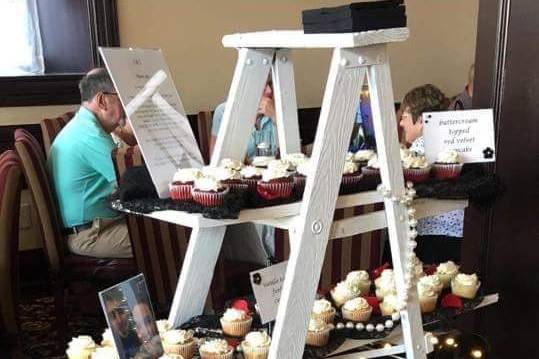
point(447, 165)
point(415, 168)
point(209, 192)
point(389, 305)
point(385, 284)
point(322, 309)
point(105, 353)
point(360, 279)
point(227, 176)
point(231, 164)
point(343, 292)
point(216, 349)
point(107, 339)
point(432, 280)
point(251, 175)
point(362, 157)
point(276, 183)
point(295, 159)
point(262, 161)
point(318, 333)
point(179, 342)
point(256, 345)
point(182, 183)
point(465, 285)
point(357, 310)
point(81, 347)
point(236, 322)
point(428, 296)
point(447, 271)
point(171, 356)
point(300, 177)
point(163, 325)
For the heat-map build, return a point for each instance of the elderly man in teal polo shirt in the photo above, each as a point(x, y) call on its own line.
point(81, 169)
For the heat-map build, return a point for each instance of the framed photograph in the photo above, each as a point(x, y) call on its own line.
point(131, 319)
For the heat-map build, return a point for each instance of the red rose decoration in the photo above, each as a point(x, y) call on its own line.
point(241, 304)
point(374, 303)
point(452, 301)
point(232, 342)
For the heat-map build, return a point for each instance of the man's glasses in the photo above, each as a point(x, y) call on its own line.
point(109, 93)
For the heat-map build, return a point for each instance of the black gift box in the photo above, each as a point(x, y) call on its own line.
point(355, 17)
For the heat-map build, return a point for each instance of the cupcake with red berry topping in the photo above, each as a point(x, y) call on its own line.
point(447, 165)
point(209, 192)
point(276, 183)
point(182, 183)
point(236, 322)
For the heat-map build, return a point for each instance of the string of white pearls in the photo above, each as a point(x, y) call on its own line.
point(405, 200)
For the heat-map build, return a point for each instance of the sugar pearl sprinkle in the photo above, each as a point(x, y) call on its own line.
point(406, 201)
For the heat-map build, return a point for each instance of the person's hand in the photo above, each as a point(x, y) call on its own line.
point(266, 107)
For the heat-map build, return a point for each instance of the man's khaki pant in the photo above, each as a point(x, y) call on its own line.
point(107, 238)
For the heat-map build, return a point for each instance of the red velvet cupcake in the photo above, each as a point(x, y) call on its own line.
point(415, 169)
point(447, 165)
point(228, 177)
point(209, 192)
point(351, 175)
point(251, 175)
point(275, 184)
point(182, 183)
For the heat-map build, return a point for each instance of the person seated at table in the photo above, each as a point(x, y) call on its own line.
point(264, 130)
point(463, 101)
point(82, 172)
point(440, 237)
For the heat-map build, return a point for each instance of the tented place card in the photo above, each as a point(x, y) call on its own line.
point(267, 284)
point(153, 106)
point(470, 133)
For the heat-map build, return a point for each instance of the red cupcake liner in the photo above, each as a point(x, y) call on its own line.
point(209, 199)
point(446, 170)
point(416, 175)
point(351, 180)
point(275, 189)
point(299, 183)
point(181, 192)
point(251, 183)
point(370, 171)
point(236, 186)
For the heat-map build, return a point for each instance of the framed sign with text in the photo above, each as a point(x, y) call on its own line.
point(153, 106)
point(470, 133)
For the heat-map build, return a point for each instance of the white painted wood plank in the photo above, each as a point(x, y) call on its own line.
point(319, 200)
point(196, 274)
point(351, 226)
point(286, 107)
point(250, 76)
point(297, 39)
point(373, 353)
point(385, 128)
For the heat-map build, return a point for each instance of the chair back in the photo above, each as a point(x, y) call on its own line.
point(10, 195)
point(34, 169)
point(50, 127)
point(204, 122)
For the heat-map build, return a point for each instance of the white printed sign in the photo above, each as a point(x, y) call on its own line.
point(470, 133)
point(151, 102)
point(267, 285)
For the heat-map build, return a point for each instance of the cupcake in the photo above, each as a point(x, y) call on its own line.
point(275, 183)
point(227, 176)
point(323, 310)
point(295, 159)
point(427, 297)
point(80, 347)
point(432, 280)
point(281, 164)
point(231, 164)
point(236, 322)
point(182, 183)
point(360, 279)
point(179, 342)
point(362, 157)
point(300, 177)
point(415, 168)
point(216, 349)
point(171, 356)
point(389, 305)
point(465, 285)
point(343, 292)
point(351, 175)
point(105, 353)
point(262, 161)
point(256, 345)
point(385, 284)
point(372, 168)
point(209, 192)
point(447, 271)
point(108, 339)
point(251, 175)
point(447, 165)
point(418, 267)
point(357, 310)
point(318, 333)
point(163, 325)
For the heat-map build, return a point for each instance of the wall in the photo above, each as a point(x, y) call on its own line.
point(440, 49)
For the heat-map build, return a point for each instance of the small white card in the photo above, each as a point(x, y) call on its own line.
point(267, 285)
point(470, 133)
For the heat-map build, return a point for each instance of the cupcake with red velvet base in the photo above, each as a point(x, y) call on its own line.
point(447, 165)
point(228, 177)
point(276, 183)
point(251, 175)
point(209, 192)
point(300, 177)
point(182, 183)
point(372, 169)
point(351, 175)
point(415, 168)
